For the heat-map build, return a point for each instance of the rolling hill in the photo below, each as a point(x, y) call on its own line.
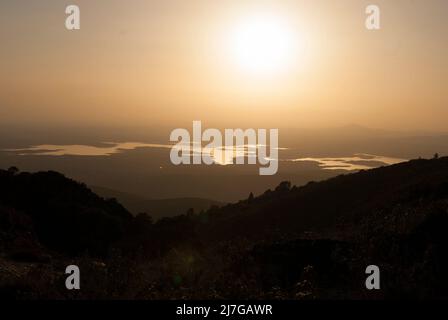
point(156, 208)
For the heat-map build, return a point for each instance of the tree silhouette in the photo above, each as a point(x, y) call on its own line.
point(13, 170)
point(284, 186)
point(190, 212)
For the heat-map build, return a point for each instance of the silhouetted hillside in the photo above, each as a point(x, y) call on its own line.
point(64, 214)
point(308, 242)
point(345, 199)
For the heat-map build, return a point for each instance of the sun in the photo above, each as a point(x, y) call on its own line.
point(263, 43)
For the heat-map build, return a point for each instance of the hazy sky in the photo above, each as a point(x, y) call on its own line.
point(173, 61)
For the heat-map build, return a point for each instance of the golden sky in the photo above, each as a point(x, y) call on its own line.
point(173, 61)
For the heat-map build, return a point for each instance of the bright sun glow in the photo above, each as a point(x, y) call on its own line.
point(263, 44)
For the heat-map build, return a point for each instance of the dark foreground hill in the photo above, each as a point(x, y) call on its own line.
point(307, 242)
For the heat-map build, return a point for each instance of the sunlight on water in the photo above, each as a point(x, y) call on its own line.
point(220, 155)
point(359, 161)
point(84, 150)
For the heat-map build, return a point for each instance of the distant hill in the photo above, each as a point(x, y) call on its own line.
point(157, 208)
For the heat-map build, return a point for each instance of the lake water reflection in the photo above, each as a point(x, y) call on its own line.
point(357, 161)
